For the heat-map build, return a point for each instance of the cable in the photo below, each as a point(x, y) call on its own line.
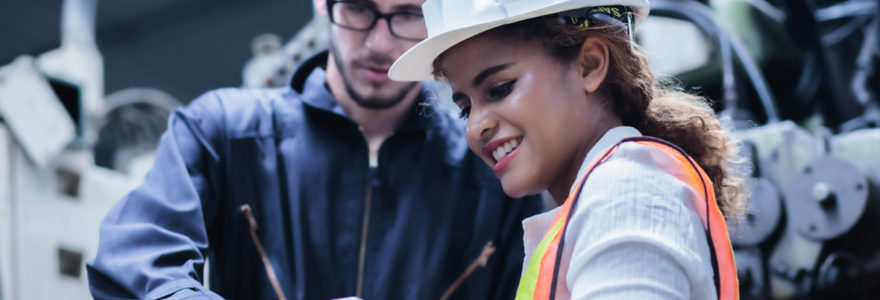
point(702, 16)
point(864, 67)
point(728, 80)
point(846, 9)
point(808, 82)
point(757, 79)
point(845, 30)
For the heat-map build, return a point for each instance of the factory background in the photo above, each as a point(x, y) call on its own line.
point(86, 87)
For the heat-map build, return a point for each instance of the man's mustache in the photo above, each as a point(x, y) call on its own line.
point(376, 59)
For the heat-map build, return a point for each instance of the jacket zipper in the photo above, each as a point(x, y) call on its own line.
point(270, 272)
point(372, 163)
point(481, 261)
point(363, 247)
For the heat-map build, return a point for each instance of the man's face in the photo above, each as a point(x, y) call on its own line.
point(363, 57)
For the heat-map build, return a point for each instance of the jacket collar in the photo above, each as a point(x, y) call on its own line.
point(310, 82)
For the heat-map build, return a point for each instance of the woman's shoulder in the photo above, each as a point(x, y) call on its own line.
point(633, 222)
point(639, 167)
point(637, 189)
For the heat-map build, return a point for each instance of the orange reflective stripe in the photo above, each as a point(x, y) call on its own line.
point(537, 279)
point(545, 277)
point(697, 179)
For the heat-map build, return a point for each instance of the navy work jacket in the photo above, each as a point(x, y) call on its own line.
point(328, 222)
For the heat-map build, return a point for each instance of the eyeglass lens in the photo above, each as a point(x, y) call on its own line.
point(408, 25)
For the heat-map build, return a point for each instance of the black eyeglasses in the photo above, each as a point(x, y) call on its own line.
point(360, 16)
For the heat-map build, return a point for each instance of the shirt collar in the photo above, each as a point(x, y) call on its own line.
point(608, 140)
point(310, 81)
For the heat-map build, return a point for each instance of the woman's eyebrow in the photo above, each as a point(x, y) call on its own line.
point(487, 72)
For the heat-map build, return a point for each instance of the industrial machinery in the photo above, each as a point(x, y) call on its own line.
point(798, 82)
point(53, 196)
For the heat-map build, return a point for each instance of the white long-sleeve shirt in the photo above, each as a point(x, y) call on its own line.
point(633, 233)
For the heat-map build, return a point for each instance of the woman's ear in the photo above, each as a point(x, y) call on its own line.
point(593, 63)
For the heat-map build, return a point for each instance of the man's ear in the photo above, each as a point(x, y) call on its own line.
point(320, 7)
point(593, 63)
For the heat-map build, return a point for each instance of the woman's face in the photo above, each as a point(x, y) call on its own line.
point(530, 117)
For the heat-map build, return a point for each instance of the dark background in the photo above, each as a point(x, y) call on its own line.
point(181, 47)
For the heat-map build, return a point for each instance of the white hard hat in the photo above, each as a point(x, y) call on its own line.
point(450, 22)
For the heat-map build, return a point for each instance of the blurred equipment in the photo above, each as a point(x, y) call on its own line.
point(76, 69)
point(33, 112)
point(272, 65)
point(129, 128)
point(52, 195)
point(810, 132)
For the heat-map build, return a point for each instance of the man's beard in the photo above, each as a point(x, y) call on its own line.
point(357, 97)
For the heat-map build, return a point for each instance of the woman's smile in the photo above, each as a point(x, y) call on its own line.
point(501, 151)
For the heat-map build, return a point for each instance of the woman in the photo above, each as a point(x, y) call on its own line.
point(558, 98)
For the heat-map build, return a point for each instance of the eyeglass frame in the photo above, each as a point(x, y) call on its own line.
point(376, 16)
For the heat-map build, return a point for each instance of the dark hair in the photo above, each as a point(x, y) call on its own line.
point(656, 110)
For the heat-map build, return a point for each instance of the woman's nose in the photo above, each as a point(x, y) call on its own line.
point(481, 126)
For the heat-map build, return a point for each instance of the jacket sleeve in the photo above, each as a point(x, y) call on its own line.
point(509, 267)
point(153, 242)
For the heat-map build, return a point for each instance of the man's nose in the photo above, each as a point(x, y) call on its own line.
point(379, 38)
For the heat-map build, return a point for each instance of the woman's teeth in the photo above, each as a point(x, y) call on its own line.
point(502, 150)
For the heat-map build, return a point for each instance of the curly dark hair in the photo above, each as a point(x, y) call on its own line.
point(653, 108)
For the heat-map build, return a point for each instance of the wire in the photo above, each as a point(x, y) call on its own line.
point(702, 16)
point(808, 82)
point(776, 14)
point(728, 80)
point(864, 67)
point(845, 30)
point(846, 9)
point(758, 82)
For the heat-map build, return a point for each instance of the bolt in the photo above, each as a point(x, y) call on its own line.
point(823, 194)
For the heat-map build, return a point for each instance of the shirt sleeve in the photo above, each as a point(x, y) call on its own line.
point(153, 242)
point(636, 235)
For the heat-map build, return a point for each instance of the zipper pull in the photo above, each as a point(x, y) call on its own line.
point(270, 272)
point(252, 222)
point(488, 249)
point(481, 261)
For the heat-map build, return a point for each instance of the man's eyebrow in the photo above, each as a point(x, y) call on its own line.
point(407, 8)
point(369, 3)
point(487, 72)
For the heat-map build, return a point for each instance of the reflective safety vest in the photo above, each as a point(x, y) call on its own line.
point(540, 277)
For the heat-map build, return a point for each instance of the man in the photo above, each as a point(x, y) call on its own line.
point(342, 184)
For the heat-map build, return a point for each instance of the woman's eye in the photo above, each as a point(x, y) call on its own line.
point(502, 90)
point(465, 111)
